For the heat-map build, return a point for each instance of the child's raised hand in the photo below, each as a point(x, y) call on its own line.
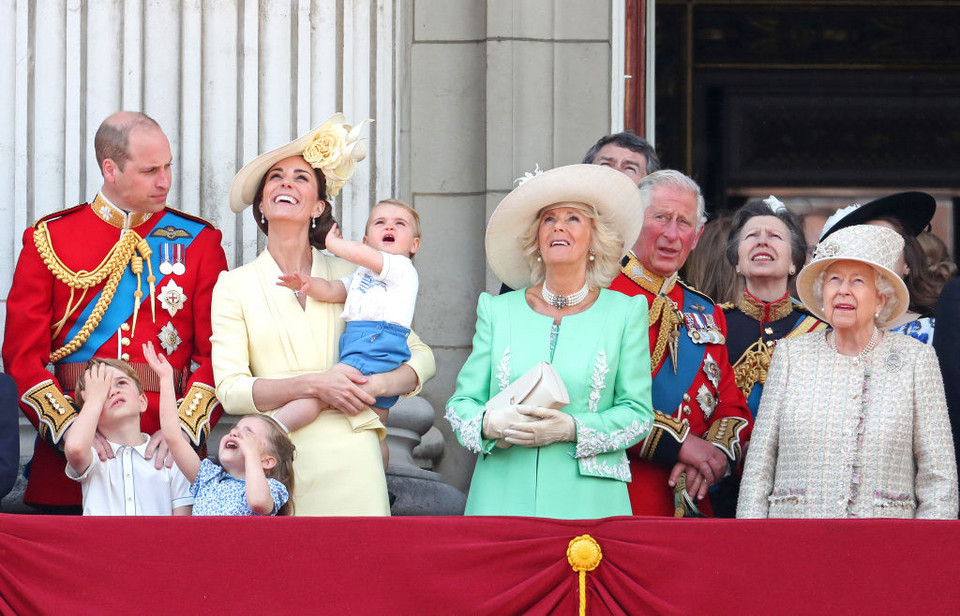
point(250, 444)
point(97, 381)
point(333, 233)
point(296, 282)
point(157, 361)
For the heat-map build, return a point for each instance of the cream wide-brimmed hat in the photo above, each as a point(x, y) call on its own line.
point(878, 247)
point(334, 147)
point(614, 195)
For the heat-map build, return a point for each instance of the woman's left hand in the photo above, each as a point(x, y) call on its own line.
point(549, 426)
point(340, 388)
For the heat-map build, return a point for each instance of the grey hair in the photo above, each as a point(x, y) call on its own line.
point(884, 288)
point(672, 178)
point(605, 242)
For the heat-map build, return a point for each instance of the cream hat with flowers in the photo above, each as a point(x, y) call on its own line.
point(878, 247)
point(334, 147)
point(615, 197)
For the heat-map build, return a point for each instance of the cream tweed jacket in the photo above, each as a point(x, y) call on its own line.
point(844, 437)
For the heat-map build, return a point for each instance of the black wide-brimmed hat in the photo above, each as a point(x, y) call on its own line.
point(912, 209)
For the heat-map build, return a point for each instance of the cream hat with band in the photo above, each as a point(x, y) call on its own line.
point(878, 247)
point(334, 147)
point(615, 197)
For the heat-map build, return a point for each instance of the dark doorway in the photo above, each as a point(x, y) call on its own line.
point(822, 102)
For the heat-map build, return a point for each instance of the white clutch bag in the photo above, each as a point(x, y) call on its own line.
point(539, 386)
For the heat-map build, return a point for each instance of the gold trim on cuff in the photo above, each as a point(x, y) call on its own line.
point(725, 434)
point(54, 410)
point(663, 424)
point(195, 410)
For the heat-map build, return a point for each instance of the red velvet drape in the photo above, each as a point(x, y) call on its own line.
point(474, 565)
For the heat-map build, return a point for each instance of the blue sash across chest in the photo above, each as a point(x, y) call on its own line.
point(121, 307)
point(668, 388)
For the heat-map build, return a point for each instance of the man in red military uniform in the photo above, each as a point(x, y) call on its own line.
point(701, 419)
point(100, 279)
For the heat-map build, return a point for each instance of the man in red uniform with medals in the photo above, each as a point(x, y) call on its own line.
point(100, 279)
point(701, 419)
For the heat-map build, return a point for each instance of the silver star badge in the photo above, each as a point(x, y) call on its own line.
point(172, 298)
point(169, 338)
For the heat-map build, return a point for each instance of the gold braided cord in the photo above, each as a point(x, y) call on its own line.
point(117, 257)
point(111, 268)
point(752, 367)
point(664, 310)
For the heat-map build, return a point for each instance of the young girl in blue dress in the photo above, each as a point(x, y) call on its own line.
point(255, 476)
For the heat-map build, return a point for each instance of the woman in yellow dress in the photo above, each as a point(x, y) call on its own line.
point(272, 346)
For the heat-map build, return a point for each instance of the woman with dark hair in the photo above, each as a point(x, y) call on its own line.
point(767, 248)
point(272, 346)
point(907, 213)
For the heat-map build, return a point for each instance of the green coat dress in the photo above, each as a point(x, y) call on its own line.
point(603, 357)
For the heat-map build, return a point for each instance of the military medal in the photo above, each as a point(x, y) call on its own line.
point(712, 369)
point(169, 338)
point(178, 258)
point(702, 329)
point(708, 402)
point(166, 266)
point(172, 298)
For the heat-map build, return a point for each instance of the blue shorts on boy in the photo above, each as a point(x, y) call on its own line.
point(373, 347)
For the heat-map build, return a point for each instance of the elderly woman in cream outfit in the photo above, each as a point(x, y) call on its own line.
point(272, 346)
point(852, 422)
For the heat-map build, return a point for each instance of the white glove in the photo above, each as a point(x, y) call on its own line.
point(548, 426)
point(495, 421)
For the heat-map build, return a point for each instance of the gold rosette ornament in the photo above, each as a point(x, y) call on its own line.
point(583, 554)
point(335, 149)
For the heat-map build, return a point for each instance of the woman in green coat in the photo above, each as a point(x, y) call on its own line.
point(558, 238)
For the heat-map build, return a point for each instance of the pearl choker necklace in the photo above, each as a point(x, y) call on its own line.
point(871, 344)
point(564, 301)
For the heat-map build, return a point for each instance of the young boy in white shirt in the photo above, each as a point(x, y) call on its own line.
point(378, 302)
point(111, 400)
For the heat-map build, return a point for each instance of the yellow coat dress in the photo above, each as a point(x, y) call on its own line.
point(260, 330)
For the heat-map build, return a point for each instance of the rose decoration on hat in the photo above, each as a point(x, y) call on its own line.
point(336, 148)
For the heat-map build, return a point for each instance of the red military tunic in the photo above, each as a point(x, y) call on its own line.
point(697, 397)
point(74, 294)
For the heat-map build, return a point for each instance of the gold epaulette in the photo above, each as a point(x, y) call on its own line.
point(725, 306)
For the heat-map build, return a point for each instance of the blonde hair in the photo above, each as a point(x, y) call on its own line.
point(605, 243)
point(400, 204)
point(283, 448)
point(120, 365)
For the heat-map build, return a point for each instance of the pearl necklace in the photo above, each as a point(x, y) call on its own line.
point(564, 301)
point(871, 344)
